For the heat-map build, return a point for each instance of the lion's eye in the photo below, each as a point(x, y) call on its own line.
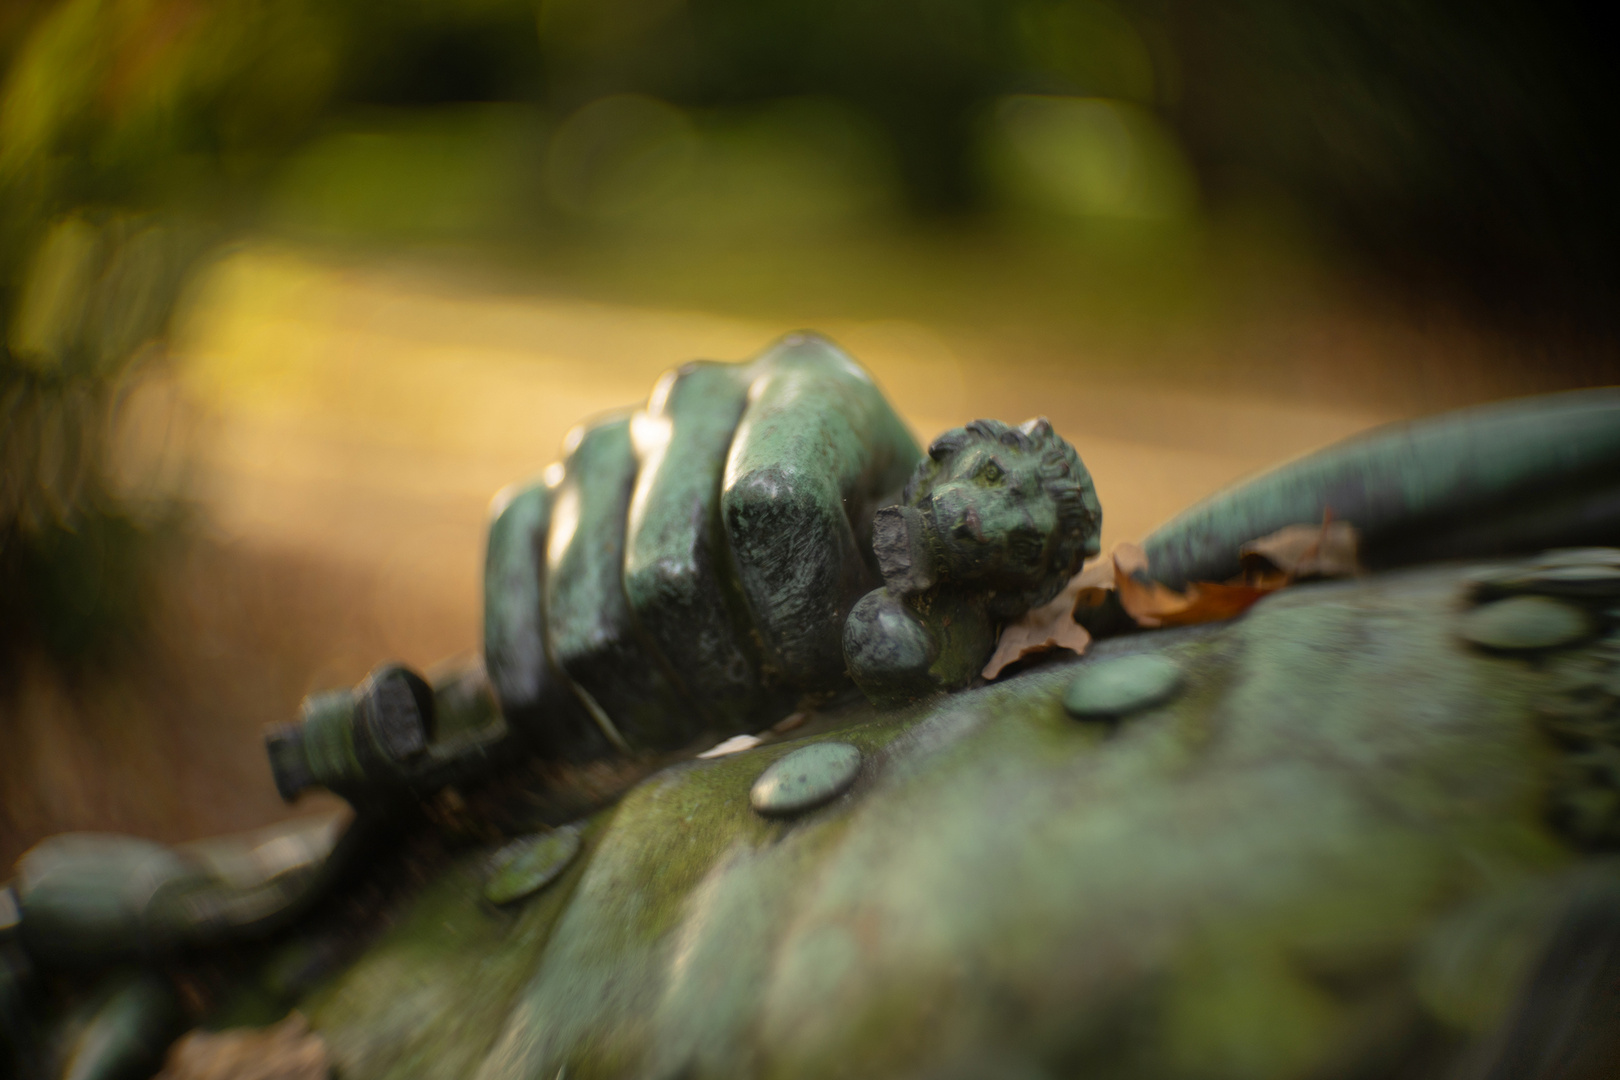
point(991, 473)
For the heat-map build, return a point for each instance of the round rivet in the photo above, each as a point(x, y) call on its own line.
point(1526, 622)
point(530, 863)
point(1601, 556)
point(1581, 582)
point(1107, 689)
point(805, 779)
point(1578, 580)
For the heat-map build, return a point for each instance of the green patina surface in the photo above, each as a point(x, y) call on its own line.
point(1327, 849)
point(431, 996)
point(591, 630)
point(1122, 686)
point(515, 654)
point(530, 863)
point(995, 521)
point(675, 560)
point(686, 571)
point(818, 450)
point(1507, 477)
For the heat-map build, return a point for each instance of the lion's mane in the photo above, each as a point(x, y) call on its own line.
point(1063, 479)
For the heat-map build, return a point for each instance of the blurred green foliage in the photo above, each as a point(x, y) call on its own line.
point(1465, 147)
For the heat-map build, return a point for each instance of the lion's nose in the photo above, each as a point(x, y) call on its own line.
point(968, 526)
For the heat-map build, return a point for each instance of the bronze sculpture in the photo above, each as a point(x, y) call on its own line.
point(689, 571)
point(1340, 832)
point(994, 522)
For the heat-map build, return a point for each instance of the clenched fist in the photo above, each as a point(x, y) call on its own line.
point(688, 567)
point(757, 533)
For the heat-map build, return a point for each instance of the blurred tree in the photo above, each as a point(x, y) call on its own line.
point(126, 130)
point(1466, 146)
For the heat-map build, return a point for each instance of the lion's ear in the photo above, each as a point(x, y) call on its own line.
point(948, 443)
point(1038, 428)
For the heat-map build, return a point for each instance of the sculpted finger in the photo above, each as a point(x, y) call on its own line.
point(534, 696)
point(616, 673)
point(677, 573)
point(817, 451)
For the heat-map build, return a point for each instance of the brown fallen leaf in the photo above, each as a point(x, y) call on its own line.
point(284, 1051)
point(1092, 584)
point(1153, 604)
point(1096, 574)
point(1126, 558)
point(1290, 554)
point(1301, 552)
point(1143, 599)
point(1050, 626)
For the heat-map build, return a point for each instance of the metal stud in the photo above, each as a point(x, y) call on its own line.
point(1110, 689)
point(530, 863)
point(805, 779)
point(1600, 556)
point(1526, 623)
point(1575, 582)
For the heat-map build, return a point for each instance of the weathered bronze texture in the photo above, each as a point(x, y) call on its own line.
point(994, 522)
point(1366, 824)
point(534, 696)
point(530, 863)
point(1333, 849)
point(86, 899)
point(676, 576)
point(1508, 478)
point(807, 778)
point(625, 686)
point(1110, 690)
point(391, 739)
point(685, 572)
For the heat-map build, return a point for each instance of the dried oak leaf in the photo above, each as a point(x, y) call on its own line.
point(1153, 604)
point(1290, 554)
point(284, 1051)
point(1050, 626)
point(1301, 552)
point(1093, 585)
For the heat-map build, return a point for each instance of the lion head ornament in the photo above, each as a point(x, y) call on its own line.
point(994, 521)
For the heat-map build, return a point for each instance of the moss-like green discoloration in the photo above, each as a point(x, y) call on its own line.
point(428, 999)
point(1277, 872)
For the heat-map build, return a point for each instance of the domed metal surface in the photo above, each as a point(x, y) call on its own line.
point(1109, 689)
point(805, 779)
point(530, 863)
point(1594, 556)
point(1584, 581)
point(1527, 623)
